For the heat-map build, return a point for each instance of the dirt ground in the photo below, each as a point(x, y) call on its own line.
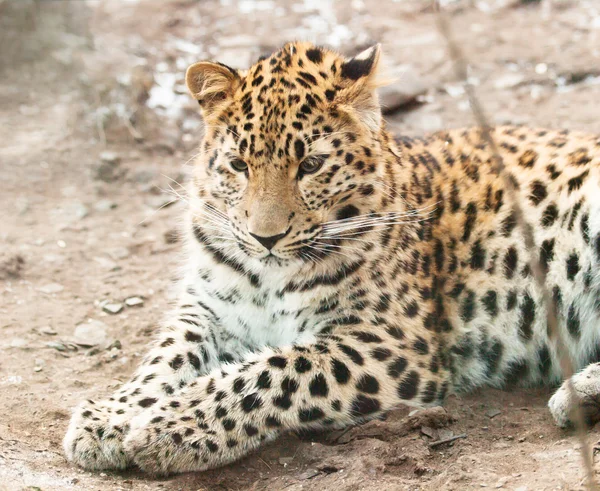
point(95, 127)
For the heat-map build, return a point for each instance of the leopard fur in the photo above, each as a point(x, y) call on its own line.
point(334, 272)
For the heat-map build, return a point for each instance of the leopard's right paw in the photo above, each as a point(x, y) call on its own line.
point(93, 441)
point(586, 384)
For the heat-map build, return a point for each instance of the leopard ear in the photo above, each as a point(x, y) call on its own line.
point(358, 76)
point(363, 64)
point(211, 84)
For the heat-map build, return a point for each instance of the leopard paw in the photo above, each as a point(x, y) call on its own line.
point(94, 440)
point(587, 387)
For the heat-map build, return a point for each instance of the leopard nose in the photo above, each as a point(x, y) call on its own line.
point(269, 242)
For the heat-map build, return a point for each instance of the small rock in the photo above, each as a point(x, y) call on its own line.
point(90, 334)
point(509, 81)
point(455, 90)
point(51, 288)
point(171, 236)
point(39, 365)
point(309, 474)
point(92, 352)
point(37, 369)
point(108, 169)
point(119, 252)
point(107, 263)
point(444, 433)
point(286, 460)
point(18, 343)
point(48, 331)
point(522, 439)
point(428, 431)
point(110, 157)
point(104, 205)
point(107, 172)
point(11, 267)
point(57, 345)
point(492, 413)
point(134, 302)
point(78, 210)
point(112, 308)
point(502, 481)
point(116, 344)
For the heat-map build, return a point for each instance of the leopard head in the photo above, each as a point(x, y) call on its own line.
point(292, 148)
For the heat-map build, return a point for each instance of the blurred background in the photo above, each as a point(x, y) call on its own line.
point(97, 133)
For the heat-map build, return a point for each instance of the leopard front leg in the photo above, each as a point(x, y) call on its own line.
point(185, 349)
point(337, 381)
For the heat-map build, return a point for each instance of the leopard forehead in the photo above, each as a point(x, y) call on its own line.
point(283, 104)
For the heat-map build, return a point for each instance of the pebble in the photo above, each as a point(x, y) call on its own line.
point(48, 331)
point(78, 210)
point(51, 288)
point(57, 345)
point(134, 302)
point(509, 80)
point(502, 481)
point(112, 308)
point(430, 432)
point(119, 253)
point(286, 460)
point(104, 205)
point(18, 343)
point(107, 169)
point(11, 267)
point(492, 413)
point(110, 157)
point(309, 474)
point(443, 434)
point(116, 344)
point(107, 263)
point(107, 172)
point(90, 334)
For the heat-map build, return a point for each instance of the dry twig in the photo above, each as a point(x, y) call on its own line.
point(447, 440)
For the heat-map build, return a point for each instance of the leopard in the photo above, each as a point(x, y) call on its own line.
point(334, 272)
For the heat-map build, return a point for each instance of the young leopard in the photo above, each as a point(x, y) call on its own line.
point(335, 273)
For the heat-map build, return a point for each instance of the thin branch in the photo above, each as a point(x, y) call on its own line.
point(447, 440)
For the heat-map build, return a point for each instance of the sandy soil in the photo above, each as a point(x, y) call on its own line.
point(95, 127)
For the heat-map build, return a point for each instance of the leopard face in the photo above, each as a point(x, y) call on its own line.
point(291, 150)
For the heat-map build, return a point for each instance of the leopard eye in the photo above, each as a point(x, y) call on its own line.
point(239, 165)
point(311, 165)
